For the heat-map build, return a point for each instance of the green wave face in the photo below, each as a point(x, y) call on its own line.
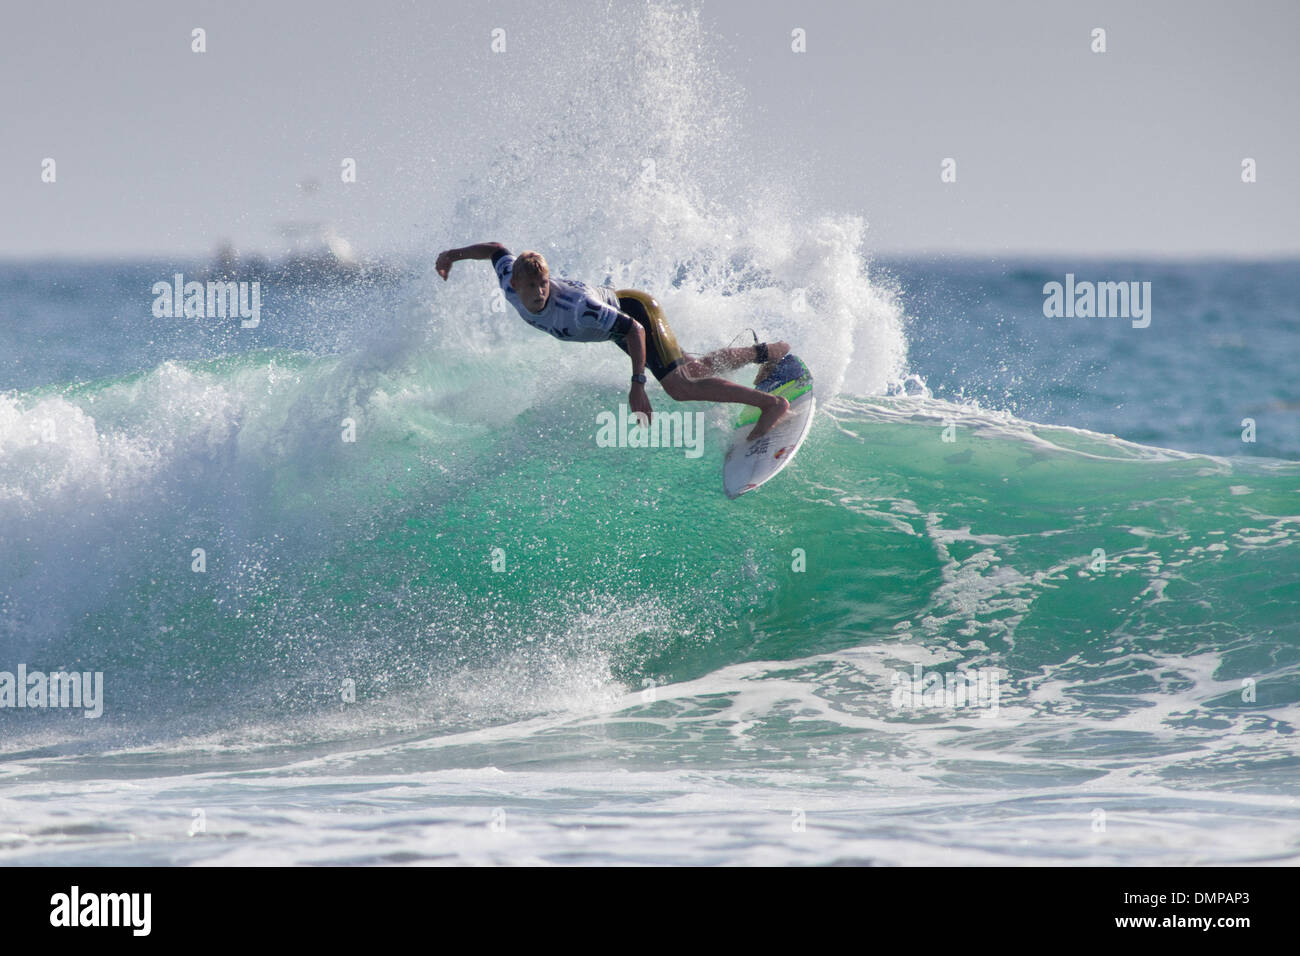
point(442, 540)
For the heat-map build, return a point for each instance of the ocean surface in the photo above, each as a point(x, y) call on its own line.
point(364, 588)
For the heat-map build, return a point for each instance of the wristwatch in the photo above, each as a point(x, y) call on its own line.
point(639, 379)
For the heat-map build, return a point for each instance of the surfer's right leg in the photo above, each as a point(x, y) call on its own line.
point(724, 360)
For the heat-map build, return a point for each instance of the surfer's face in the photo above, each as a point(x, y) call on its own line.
point(533, 289)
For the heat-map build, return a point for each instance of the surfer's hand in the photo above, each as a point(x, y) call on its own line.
point(443, 263)
point(638, 401)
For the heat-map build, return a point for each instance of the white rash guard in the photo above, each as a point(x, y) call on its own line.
point(574, 311)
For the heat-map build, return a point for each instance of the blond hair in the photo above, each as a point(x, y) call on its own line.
point(529, 264)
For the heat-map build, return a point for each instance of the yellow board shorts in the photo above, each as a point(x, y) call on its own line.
point(663, 354)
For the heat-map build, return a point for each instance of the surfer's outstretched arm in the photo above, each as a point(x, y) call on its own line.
point(480, 250)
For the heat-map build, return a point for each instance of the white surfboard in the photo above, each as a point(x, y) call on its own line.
point(750, 464)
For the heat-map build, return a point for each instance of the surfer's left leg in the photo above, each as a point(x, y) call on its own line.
point(773, 407)
point(666, 361)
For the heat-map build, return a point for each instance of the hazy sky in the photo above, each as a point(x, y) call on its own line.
point(162, 151)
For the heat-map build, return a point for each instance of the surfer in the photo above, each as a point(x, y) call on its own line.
point(573, 311)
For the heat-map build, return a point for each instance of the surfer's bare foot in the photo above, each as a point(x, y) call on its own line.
point(771, 415)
